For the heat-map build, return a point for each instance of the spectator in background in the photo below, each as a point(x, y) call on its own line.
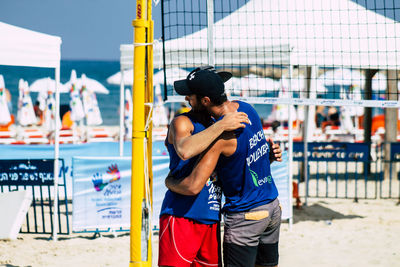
point(333, 116)
point(320, 116)
point(65, 114)
point(38, 112)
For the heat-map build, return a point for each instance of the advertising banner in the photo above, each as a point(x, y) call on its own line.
point(328, 151)
point(27, 172)
point(101, 193)
point(280, 174)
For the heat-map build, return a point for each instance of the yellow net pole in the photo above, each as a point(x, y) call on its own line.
point(141, 26)
point(150, 99)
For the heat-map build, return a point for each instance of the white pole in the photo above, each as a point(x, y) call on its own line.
point(210, 32)
point(309, 121)
point(290, 150)
point(121, 114)
point(56, 154)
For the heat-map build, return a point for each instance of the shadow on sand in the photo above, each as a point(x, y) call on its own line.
point(89, 236)
point(317, 212)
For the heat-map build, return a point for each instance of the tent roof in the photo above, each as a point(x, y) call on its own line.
point(314, 32)
point(22, 47)
point(126, 59)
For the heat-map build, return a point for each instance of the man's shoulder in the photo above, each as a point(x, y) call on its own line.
point(182, 118)
point(243, 104)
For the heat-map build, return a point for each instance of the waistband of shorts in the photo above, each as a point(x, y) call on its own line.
point(261, 207)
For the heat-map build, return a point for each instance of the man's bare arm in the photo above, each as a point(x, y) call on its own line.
point(188, 145)
point(194, 183)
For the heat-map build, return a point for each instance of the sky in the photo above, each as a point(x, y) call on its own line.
point(90, 29)
point(94, 29)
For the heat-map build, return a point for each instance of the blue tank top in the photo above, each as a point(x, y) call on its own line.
point(246, 175)
point(204, 207)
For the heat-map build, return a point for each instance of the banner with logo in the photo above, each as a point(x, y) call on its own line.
point(101, 193)
point(280, 174)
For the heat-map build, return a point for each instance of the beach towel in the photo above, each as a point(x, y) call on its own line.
point(91, 107)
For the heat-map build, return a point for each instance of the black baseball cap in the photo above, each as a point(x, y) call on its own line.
point(204, 81)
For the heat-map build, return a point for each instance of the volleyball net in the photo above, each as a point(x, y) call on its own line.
point(304, 52)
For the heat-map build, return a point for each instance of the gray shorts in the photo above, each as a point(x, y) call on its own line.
point(252, 236)
point(245, 230)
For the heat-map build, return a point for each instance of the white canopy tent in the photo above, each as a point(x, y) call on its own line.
point(313, 31)
point(288, 33)
point(23, 47)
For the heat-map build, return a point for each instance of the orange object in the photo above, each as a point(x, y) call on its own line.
point(377, 122)
point(6, 127)
point(66, 121)
point(296, 195)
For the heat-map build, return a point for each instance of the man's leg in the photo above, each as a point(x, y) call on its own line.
point(179, 240)
point(268, 254)
point(239, 256)
point(210, 250)
point(243, 232)
point(240, 240)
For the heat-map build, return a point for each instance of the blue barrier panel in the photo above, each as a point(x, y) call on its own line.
point(37, 176)
point(27, 172)
point(395, 152)
point(67, 151)
point(325, 151)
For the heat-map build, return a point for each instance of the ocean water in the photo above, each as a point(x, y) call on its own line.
point(98, 70)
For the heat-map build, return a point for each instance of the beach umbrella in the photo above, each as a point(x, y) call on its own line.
point(47, 84)
point(75, 103)
point(346, 123)
point(94, 85)
point(116, 78)
point(343, 77)
point(172, 74)
point(43, 86)
point(160, 117)
point(128, 113)
point(5, 117)
point(90, 105)
point(379, 82)
point(25, 115)
point(49, 113)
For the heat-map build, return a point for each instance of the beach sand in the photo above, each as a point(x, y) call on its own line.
point(327, 232)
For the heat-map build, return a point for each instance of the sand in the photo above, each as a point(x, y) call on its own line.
point(327, 232)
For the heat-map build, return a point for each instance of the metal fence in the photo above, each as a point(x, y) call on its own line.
point(347, 170)
point(36, 176)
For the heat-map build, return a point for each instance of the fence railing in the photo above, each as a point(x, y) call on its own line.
point(36, 176)
point(347, 170)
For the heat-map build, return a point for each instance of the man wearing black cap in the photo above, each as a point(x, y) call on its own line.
point(241, 160)
point(189, 225)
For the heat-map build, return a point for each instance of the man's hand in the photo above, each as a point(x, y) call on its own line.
point(234, 120)
point(275, 151)
point(170, 181)
point(181, 186)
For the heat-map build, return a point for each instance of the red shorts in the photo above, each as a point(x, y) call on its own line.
point(185, 242)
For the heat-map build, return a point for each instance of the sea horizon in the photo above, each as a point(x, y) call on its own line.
point(99, 70)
